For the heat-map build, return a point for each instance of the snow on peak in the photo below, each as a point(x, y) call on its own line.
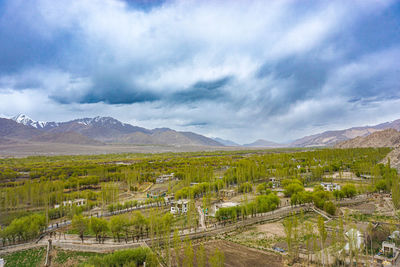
point(25, 120)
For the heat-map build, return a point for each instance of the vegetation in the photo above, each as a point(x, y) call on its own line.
point(38, 191)
point(23, 229)
point(130, 257)
point(263, 203)
point(26, 258)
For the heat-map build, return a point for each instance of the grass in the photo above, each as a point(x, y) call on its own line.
point(26, 258)
point(36, 256)
point(79, 256)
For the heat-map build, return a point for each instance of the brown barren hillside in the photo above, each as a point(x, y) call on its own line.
point(65, 137)
point(385, 138)
point(394, 157)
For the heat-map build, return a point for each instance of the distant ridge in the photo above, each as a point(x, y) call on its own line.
point(109, 130)
point(384, 138)
point(225, 142)
point(65, 137)
point(331, 138)
point(100, 130)
point(264, 143)
point(10, 129)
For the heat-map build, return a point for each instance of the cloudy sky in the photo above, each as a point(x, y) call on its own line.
point(239, 70)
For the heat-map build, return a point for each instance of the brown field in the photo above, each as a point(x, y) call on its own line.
point(52, 149)
point(272, 230)
point(240, 256)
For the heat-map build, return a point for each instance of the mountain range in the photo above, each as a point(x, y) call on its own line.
point(107, 130)
point(383, 138)
point(95, 131)
point(264, 143)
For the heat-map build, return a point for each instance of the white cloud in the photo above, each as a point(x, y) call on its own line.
point(291, 65)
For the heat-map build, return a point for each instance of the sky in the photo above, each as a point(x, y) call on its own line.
point(238, 70)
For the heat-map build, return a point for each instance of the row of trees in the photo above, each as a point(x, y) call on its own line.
point(263, 203)
point(189, 256)
point(128, 226)
point(100, 179)
point(23, 229)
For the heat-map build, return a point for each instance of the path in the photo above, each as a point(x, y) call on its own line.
point(221, 228)
point(201, 218)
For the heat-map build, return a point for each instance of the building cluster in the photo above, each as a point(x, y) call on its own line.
point(389, 255)
point(180, 206)
point(69, 203)
point(165, 177)
point(227, 193)
point(330, 186)
point(275, 182)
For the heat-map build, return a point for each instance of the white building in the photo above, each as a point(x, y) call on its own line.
point(355, 239)
point(180, 206)
point(165, 177)
point(330, 186)
point(275, 182)
point(77, 202)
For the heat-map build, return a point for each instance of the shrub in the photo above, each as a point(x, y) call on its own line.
point(245, 188)
point(292, 189)
point(124, 257)
point(329, 207)
point(349, 190)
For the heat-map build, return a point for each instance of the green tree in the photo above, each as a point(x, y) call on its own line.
point(329, 207)
point(201, 256)
point(80, 224)
point(396, 192)
point(288, 227)
point(177, 247)
point(292, 189)
point(349, 190)
point(189, 255)
point(217, 259)
point(99, 227)
point(117, 226)
point(322, 235)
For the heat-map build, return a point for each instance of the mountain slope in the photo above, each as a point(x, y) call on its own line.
point(331, 138)
point(384, 138)
point(110, 130)
point(167, 137)
point(225, 142)
point(394, 157)
point(198, 139)
point(14, 130)
point(25, 120)
point(263, 143)
point(66, 138)
point(105, 129)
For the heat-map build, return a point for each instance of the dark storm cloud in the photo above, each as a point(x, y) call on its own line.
point(202, 91)
point(146, 5)
point(197, 63)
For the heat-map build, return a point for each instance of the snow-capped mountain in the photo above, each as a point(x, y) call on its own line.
point(25, 120)
point(110, 130)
